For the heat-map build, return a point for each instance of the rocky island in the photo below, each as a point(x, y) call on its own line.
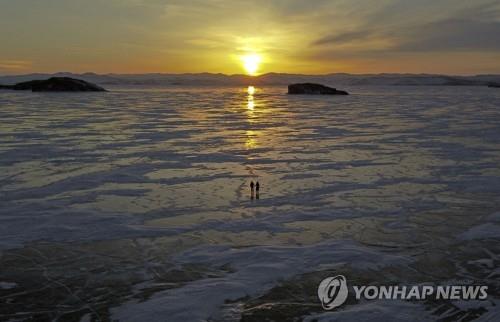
point(312, 89)
point(55, 84)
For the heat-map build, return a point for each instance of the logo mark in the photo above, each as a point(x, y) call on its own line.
point(332, 292)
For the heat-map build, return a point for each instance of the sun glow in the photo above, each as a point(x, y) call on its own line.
point(251, 63)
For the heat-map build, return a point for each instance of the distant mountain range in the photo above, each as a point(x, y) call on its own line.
point(207, 79)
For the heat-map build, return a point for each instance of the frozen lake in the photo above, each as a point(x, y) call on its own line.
point(135, 204)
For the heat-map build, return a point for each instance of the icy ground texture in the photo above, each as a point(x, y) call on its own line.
point(152, 186)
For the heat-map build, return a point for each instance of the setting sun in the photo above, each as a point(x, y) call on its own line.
point(251, 63)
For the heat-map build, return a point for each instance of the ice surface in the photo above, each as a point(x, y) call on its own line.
point(396, 171)
point(86, 167)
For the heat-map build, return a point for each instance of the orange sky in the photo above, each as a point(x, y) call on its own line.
point(313, 37)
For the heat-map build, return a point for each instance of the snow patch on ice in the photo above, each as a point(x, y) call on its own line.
point(7, 285)
point(257, 269)
point(383, 310)
point(490, 229)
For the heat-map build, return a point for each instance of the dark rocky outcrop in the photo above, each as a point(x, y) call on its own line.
point(56, 84)
point(310, 88)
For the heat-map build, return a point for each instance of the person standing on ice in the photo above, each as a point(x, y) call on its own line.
point(251, 190)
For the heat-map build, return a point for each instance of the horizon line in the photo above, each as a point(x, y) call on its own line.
point(244, 75)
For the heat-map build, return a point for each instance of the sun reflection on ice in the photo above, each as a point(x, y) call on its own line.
point(250, 102)
point(251, 135)
point(251, 141)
